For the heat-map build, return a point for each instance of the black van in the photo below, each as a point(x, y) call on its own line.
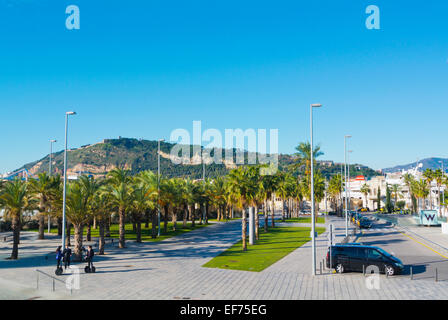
point(351, 257)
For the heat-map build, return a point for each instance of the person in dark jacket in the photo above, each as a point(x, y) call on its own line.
point(58, 256)
point(89, 257)
point(67, 254)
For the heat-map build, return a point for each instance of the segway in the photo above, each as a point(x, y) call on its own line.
point(59, 271)
point(89, 270)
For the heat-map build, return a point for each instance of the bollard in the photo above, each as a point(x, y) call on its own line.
point(364, 270)
point(320, 267)
point(53, 285)
point(436, 275)
point(37, 281)
point(412, 274)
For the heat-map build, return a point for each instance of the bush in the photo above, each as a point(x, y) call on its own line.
point(32, 224)
point(5, 226)
point(401, 205)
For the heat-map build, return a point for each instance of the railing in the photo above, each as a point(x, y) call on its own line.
point(54, 279)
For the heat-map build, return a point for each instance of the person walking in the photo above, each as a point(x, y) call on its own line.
point(58, 256)
point(89, 257)
point(67, 254)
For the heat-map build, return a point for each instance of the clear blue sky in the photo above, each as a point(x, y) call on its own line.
point(143, 68)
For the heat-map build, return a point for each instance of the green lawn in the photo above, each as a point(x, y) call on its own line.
point(146, 232)
point(271, 247)
point(216, 220)
point(305, 220)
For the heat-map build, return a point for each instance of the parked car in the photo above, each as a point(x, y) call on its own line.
point(350, 257)
point(364, 223)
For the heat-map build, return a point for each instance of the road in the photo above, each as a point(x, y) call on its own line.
point(408, 249)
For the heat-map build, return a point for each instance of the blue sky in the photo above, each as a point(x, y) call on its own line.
point(144, 68)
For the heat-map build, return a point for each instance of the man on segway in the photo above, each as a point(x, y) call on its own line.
point(89, 258)
point(58, 259)
point(67, 254)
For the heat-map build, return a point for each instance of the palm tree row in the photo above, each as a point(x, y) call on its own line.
point(139, 198)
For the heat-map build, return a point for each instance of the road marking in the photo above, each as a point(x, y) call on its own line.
point(423, 245)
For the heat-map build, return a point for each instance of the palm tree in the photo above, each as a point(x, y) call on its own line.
point(428, 174)
point(408, 181)
point(15, 199)
point(101, 206)
point(438, 177)
point(365, 190)
point(149, 180)
point(395, 191)
point(243, 186)
point(270, 183)
point(335, 188)
point(118, 184)
point(41, 189)
point(420, 190)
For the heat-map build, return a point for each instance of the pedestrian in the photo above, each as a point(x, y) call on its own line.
point(67, 254)
point(89, 257)
point(59, 256)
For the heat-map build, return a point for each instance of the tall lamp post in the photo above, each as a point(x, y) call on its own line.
point(50, 174)
point(158, 187)
point(67, 114)
point(345, 186)
point(313, 223)
point(348, 179)
point(443, 194)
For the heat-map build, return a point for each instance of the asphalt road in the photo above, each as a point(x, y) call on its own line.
point(424, 261)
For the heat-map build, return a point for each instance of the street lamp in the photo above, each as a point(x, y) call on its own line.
point(50, 174)
point(158, 187)
point(443, 194)
point(313, 223)
point(345, 186)
point(70, 113)
point(348, 176)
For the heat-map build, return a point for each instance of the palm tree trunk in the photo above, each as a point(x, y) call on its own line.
point(174, 218)
point(122, 232)
point(89, 232)
point(68, 231)
point(192, 216)
point(101, 242)
point(244, 229)
point(283, 210)
point(265, 209)
point(185, 217)
point(78, 241)
point(94, 223)
point(154, 224)
point(107, 225)
point(272, 213)
point(165, 218)
point(41, 226)
point(257, 222)
point(139, 231)
point(16, 237)
point(59, 226)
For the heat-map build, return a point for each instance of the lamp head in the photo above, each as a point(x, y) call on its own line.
point(316, 105)
point(70, 113)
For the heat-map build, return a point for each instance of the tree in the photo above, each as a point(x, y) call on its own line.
point(365, 190)
point(15, 199)
point(428, 174)
point(77, 209)
point(420, 190)
point(388, 202)
point(41, 190)
point(335, 189)
point(118, 187)
point(395, 191)
point(243, 186)
point(408, 181)
point(379, 199)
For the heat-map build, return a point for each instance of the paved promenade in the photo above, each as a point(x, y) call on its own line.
point(172, 269)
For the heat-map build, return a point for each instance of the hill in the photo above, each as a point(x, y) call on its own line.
point(138, 155)
point(428, 163)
